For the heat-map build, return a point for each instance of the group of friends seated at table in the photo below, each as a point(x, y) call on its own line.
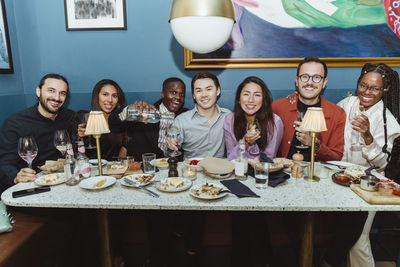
point(211, 130)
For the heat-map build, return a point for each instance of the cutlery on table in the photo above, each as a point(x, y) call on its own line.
point(333, 164)
point(137, 185)
point(238, 194)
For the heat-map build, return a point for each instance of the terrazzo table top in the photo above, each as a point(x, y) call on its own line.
point(293, 195)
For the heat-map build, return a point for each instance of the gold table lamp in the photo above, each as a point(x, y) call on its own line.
point(313, 122)
point(96, 126)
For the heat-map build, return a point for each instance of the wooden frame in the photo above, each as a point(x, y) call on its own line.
point(6, 64)
point(87, 15)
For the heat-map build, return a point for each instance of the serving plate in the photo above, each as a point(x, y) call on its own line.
point(164, 185)
point(341, 173)
point(204, 196)
point(219, 175)
point(90, 183)
point(135, 178)
point(94, 162)
point(41, 179)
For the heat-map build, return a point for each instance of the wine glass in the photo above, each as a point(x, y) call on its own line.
point(61, 139)
point(173, 134)
point(355, 112)
point(27, 149)
point(300, 117)
point(85, 120)
point(254, 130)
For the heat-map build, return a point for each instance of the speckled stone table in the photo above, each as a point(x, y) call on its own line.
point(293, 195)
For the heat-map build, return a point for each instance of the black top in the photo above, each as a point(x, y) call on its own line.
point(306, 152)
point(29, 122)
point(144, 136)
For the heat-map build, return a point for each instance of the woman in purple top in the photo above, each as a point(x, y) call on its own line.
point(252, 119)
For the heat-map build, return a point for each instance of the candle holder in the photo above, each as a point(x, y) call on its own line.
point(189, 173)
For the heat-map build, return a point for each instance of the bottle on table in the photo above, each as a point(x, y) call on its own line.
point(241, 161)
point(69, 167)
point(153, 116)
point(173, 167)
point(82, 168)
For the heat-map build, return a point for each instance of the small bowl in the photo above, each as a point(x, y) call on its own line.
point(198, 168)
point(369, 183)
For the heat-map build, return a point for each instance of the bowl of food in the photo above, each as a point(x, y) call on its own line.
point(193, 163)
point(342, 178)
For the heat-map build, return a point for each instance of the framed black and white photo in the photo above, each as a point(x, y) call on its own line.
point(89, 15)
point(6, 65)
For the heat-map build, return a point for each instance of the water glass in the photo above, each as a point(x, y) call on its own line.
point(261, 175)
point(148, 160)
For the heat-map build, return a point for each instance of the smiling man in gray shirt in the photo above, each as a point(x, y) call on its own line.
point(201, 129)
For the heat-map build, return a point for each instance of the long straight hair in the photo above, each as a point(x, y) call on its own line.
point(390, 80)
point(264, 115)
point(96, 91)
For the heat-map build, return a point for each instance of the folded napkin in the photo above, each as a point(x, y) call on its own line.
point(238, 188)
point(275, 178)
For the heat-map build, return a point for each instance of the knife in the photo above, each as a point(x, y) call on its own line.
point(238, 194)
point(128, 181)
point(333, 164)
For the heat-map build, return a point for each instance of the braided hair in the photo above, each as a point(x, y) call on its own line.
point(390, 80)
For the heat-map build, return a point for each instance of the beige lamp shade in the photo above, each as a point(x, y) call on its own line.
point(96, 123)
point(314, 121)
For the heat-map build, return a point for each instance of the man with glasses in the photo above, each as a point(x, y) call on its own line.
point(311, 79)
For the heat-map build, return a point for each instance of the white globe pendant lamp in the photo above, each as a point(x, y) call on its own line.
point(202, 26)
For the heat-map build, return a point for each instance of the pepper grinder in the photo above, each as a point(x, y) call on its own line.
point(173, 167)
point(297, 169)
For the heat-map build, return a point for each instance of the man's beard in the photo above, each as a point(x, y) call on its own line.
point(44, 106)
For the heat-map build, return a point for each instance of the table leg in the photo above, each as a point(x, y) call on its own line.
point(104, 233)
point(306, 253)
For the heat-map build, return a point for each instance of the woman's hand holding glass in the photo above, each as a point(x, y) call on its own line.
point(361, 125)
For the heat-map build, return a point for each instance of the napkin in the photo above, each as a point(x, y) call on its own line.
point(275, 178)
point(238, 188)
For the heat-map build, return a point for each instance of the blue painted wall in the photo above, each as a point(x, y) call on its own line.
point(139, 59)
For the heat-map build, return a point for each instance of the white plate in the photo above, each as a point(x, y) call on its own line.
point(219, 176)
point(164, 185)
point(133, 177)
point(95, 162)
point(196, 167)
point(60, 180)
point(90, 182)
point(155, 162)
point(206, 197)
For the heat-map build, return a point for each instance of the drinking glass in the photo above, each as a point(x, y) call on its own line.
point(300, 117)
point(355, 112)
point(85, 120)
point(148, 162)
point(173, 134)
point(61, 139)
point(27, 149)
point(261, 175)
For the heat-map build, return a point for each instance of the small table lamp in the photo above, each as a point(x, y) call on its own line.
point(96, 126)
point(313, 122)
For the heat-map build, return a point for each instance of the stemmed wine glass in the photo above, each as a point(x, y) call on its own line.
point(300, 117)
point(85, 120)
point(173, 134)
point(61, 139)
point(27, 149)
point(253, 129)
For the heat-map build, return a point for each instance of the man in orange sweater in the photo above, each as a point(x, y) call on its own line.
point(311, 79)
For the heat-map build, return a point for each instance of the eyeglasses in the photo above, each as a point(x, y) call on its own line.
point(315, 78)
point(373, 89)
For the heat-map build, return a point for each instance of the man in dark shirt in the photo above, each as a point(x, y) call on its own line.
point(150, 137)
point(39, 121)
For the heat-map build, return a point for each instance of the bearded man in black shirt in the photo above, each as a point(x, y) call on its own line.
point(39, 121)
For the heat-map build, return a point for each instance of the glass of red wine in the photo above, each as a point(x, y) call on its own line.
point(27, 149)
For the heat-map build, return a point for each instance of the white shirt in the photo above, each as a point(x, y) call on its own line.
point(368, 155)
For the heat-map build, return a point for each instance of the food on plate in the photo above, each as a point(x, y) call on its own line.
point(100, 183)
point(176, 182)
point(207, 190)
point(355, 172)
point(283, 161)
point(343, 179)
point(396, 191)
point(50, 178)
point(52, 165)
point(143, 178)
point(161, 163)
point(134, 166)
point(117, 166)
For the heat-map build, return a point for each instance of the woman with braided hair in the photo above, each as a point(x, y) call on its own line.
point(377, 125)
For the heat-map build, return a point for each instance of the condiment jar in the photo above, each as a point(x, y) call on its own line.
point(173, 167)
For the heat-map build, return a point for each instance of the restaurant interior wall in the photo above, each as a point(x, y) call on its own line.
point(138, 58)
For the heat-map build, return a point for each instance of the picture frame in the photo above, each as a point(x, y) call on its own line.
point(90, 15)
point(278, 34)
point(6, 64)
